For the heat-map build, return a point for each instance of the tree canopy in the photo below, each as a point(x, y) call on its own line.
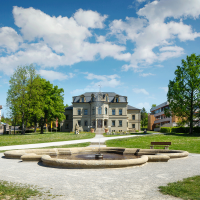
point(144, 117)
point(33, 99)
point(184, 91)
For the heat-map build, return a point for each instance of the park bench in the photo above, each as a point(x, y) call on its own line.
point(165, 144)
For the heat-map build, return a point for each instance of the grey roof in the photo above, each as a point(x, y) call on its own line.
point(111, 96)
point(132, 108)
point(69, 107)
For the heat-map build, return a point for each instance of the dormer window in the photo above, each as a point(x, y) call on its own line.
point(82, 99)
point(117, 99)
point(106, 98)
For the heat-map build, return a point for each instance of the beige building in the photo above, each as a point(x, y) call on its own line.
point(158, 119)
point(100, 110)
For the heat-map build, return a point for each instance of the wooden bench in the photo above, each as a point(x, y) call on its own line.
point(165, 144)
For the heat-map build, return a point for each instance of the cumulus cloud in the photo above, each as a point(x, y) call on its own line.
point(137, 90)
point(89, 18)
point(53, 75)
point(9, 39)
point(103, 81)
point(55, 41)
point(155, 28)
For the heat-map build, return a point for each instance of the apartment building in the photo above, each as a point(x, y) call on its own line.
point(100, 110)
point(157, 118)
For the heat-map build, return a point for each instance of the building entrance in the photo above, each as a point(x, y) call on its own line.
point(99, 123)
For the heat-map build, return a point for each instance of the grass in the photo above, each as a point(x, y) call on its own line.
point(189, 188)
point(179, 141)
point(137, 133)
point(33, 138)
point(69, 146)
point(9, 190)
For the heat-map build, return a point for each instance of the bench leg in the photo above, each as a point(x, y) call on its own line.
point(166, 147)
point(151, 147)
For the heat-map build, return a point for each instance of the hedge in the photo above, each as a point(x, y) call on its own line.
point(165, 130)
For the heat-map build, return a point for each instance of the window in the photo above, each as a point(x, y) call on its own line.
point(79, 111)
point(99, 110)
point(113, 123)
point(79, 122)
point(67, 126)
point(113, 111)
point(133, 117)
point(133, 125)
point(120, 122)
point(120, 111)
point(117, 99)
point(93, 111)
point(127, 124)
point(106, 98)
point(67, 117)
point(85, 112)
point(82, 99)
point(106, 111)
point(92, 98)
point(86, 123)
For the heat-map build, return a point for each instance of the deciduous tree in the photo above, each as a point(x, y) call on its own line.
point(184, 91)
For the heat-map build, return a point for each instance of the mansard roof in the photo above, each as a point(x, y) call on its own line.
point(111, 96)
point(128, 108)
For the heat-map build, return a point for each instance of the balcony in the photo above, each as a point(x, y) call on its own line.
point(162, 120)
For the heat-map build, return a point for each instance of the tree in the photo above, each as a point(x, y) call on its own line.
point(20, 93)
point(184, 91)
point(153, 105)
point(144, 117)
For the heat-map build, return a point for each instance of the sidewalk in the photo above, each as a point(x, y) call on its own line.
point(98, 138)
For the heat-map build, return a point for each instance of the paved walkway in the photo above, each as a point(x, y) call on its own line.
point(133, 183)
point(96, 139)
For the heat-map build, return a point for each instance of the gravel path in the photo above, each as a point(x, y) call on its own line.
point(138, 183)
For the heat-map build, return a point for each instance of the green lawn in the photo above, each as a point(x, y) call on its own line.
point(179, 142)
point(137, 133)
point(32, 138)
point(189, 188)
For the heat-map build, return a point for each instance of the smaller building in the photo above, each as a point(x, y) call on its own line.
point(158, 119)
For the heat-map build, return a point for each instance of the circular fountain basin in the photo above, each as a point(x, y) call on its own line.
point(51, 157)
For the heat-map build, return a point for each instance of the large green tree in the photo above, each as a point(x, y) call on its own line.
point(144, 117)
point(20, 93)
point(184, 91)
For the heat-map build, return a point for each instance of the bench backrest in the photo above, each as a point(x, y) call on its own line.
point(160, 143)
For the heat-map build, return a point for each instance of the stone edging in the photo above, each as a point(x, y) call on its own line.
point(147, 155)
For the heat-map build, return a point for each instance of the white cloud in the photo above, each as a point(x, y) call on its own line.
point(150, 31)
point(89, 18)
point(53, 75)
point(146, 105)
point(9, 39)
point(164, 88)
point(137, 90)
point(141, 1)
point(158, 11)
point(104, 80)
point(147, 74)
point(55, 41)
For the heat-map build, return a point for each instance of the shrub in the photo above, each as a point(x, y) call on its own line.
point(165, 130)
point(180, 129)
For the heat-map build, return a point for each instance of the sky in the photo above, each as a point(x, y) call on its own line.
point(128, 47)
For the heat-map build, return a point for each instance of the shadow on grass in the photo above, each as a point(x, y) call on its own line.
point(184, 134)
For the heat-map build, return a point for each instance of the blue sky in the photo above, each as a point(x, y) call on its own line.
point(128, 47)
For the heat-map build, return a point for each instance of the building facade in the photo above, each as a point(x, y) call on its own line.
point(157, 118)
point(100, 110)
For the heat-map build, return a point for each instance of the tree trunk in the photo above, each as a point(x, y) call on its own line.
point(14, 124)
point(191, 114)
point(23, 133)
point(42, 125)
